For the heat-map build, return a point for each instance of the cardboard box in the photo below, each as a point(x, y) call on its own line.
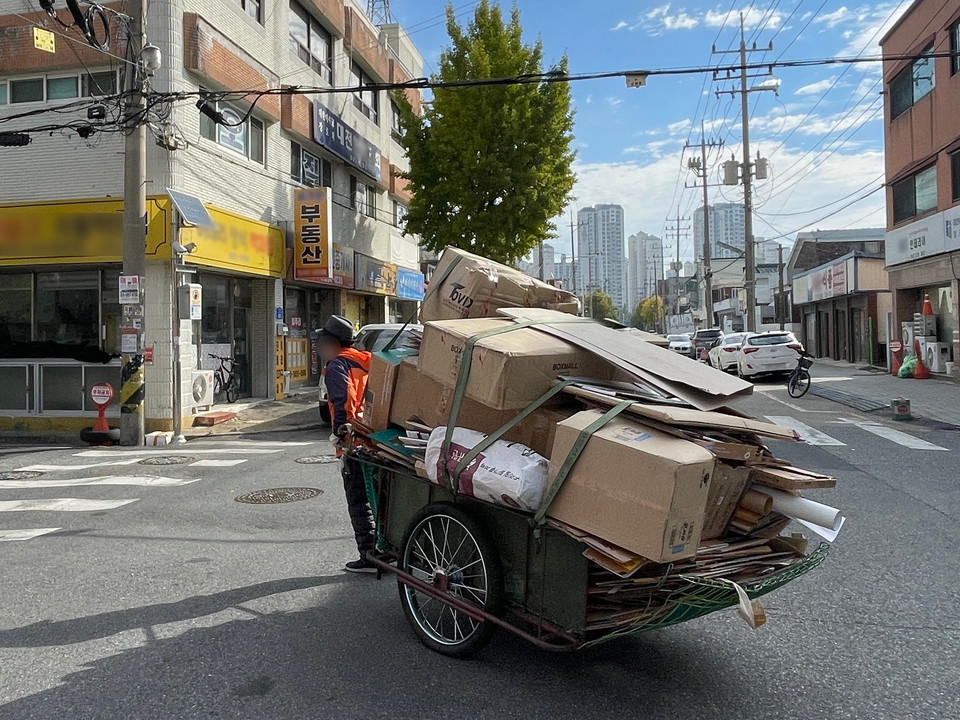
point(633, 486)
point(726, 487)
point(422, 399)
point(477, 287)
point(381, 380)
point(509, 370)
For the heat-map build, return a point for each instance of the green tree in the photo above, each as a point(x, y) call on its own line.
point(636, 320)
point(489, 166)
point(650, 311)
point(600, 306)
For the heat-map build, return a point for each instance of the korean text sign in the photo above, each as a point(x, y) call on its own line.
point(314, 233)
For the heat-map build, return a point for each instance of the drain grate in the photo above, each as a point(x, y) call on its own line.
point(275, 496)
point(318, 460)
point(167, 460)
point(20, 475)
point(849, 399)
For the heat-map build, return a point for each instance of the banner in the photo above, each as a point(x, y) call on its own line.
point(375, 276)
point(313, 223)
point(339, 138)
point(410, 284)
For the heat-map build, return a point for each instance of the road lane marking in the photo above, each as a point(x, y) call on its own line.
point(54, 468)
point(29, 534)
point(809, 435)
point(178, 451)
point(900, 438)
point(216, 463)
point(61, 505)
point(137, 480)
point(796, 408)
point(250, 443)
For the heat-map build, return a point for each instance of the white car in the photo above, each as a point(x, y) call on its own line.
point(726, 352)
point(767, 353)
point(679, 343)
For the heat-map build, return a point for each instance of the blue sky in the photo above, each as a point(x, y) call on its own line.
point(822, 131)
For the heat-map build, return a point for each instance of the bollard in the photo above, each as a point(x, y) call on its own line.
point(901, 409)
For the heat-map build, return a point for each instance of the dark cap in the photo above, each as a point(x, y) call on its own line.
point(340, 328)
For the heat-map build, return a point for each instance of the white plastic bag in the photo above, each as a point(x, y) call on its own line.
point(506, 473)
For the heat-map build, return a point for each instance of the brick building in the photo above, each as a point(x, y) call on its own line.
point(922, 143)
point(60, 259)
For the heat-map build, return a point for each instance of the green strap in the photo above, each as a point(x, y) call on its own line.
point(435, 283)
point(466, 360)
point(504, 429)
point(572, 456)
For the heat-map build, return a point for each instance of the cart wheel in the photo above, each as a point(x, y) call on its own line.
point(446, 547)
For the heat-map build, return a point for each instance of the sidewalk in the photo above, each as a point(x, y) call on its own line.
point(869, 389)
point(294, 413)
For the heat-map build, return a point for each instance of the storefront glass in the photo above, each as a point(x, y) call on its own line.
point(68, 307)
point(15, 307)
point(225, 327)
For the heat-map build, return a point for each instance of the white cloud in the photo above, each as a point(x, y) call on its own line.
point(753, 17)
point(831, 20)
point(620, 26)
point(816, 88)
point(659, 19)
point(613, 101)
point(867, 24)
point(680, 127)
point(681, 21)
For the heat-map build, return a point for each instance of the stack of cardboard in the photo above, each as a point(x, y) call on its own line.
point(671, 479)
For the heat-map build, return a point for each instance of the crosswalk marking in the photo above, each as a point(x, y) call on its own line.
point(900, 438)
point(54, 468)
point(216, 463)
point(28, 534)
point(808, 434)
point(254, 443)
point(191, 451)
point(61, 505)
point(138, 480)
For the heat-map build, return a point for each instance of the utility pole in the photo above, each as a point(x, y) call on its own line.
point(746, 167)
point(699, 167)
point(132, 391)
point(781, 305)
point(682, 232)
point(540, 276)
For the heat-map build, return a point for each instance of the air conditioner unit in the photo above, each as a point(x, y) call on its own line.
point(906, 335)
point(201, 388)
point(924, 341)
point(936, 355)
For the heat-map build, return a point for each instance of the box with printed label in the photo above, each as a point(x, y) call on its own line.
point(381, 381)
point(509, 370)
point(633, 486)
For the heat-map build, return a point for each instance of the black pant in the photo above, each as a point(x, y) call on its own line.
point(361, 517)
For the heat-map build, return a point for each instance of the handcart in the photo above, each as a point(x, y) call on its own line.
point(466, 568)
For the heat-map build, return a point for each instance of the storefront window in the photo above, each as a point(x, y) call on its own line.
point(112, 311)
point(215, 326)
point(68, 307)
point(15, 292)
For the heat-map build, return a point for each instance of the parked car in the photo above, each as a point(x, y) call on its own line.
point(702, 340)
point(679, 343)
point(726, 351)
point(373, 338)
point(768, 353)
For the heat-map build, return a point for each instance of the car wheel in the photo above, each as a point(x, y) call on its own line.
point(324, 413)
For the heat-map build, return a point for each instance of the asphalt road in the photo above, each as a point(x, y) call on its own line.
point(187, 604)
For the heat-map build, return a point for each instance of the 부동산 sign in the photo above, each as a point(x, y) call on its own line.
point(339, 138)
point(313, 246)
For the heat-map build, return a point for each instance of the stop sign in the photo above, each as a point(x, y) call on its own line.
point(102, 393)
point(896, 346)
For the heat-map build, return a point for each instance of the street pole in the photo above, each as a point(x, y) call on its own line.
point(750, 269)
point(707, 275)
point(132, 392)
point(780, 302)
point(541, 260)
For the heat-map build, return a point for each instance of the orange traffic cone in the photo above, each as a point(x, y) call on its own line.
point(897, 361)
point(927, 306)
point(921, 373)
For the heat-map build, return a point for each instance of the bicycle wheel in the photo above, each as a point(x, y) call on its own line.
point(798, 383)
point(233, 389)
point(217, 384)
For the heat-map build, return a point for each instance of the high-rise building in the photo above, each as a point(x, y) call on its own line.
point(644, 267)
point(726, 230)
point(600, 251)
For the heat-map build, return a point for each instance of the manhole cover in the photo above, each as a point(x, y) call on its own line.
point(20, 475)
point(167, 460)
point(275, 496)
point(318, 460)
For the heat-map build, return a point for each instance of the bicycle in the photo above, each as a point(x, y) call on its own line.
point(799, 381)
point(225, 379)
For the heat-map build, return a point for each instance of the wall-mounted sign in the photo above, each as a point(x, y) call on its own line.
point(129, 289)
point(375, 276)
point(828, 282)
point(313, 247)
point(932, 235)
point(339, 138)
point(409, 284)
point(341, 274)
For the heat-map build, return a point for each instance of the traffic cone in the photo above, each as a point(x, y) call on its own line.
point(921, 373)
point(927, 306)
point(897, 361)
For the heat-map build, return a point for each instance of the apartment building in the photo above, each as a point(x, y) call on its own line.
point(922, 155)
point(600, 252)
point(258, 299)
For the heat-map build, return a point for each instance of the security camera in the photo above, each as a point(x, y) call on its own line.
point(187, 249)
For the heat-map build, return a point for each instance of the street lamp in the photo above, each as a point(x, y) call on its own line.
point(177, 268)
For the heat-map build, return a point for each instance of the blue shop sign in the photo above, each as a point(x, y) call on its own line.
point(409, 284)
point(339, 138)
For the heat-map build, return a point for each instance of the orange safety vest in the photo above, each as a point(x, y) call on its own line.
point(358, 362)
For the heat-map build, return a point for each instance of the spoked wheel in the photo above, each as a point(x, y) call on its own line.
point(798, 383)
point(448, 549)
point(233, 390)
point(217, 384)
